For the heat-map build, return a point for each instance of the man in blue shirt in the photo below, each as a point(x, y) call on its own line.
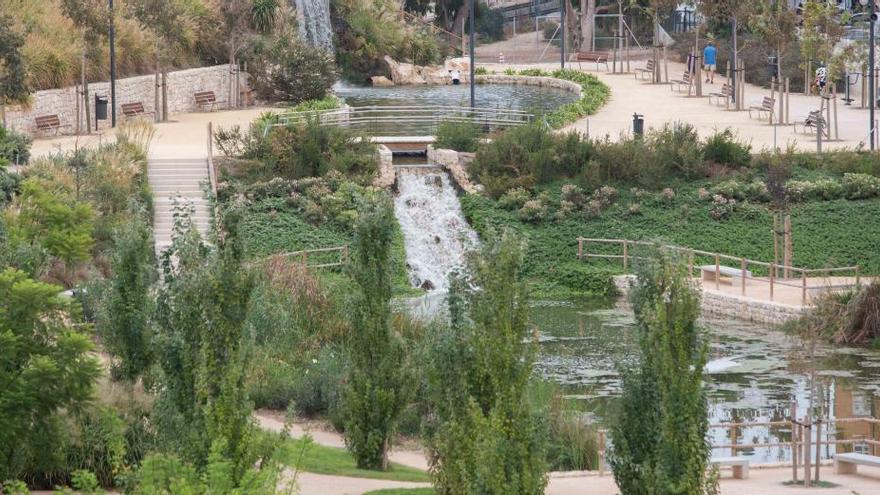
point(709, 62)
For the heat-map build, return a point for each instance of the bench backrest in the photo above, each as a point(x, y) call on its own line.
point(132, 108)
point(589, 56)
point(205, 97)
point(47, 121)
point(727, 89)
point(686, 77)
point(650, 64)
point(767, 103)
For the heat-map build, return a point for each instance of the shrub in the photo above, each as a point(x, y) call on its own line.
point(723, 148)
point(721, 207)
point(481, 71)
point(676, 149)
point(294, 72)
point(514, 199)
point(861, 186)
point(311, 150)
point(534, 210)
point(15, 147)
point(668, 195)
point(316, 387)
point(606, 195)
point(459, 136)
point(573, 194)
point(586, 279)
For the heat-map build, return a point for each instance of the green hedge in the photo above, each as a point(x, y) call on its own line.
point(594, 94)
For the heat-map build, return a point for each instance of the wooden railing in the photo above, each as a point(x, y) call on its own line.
point(777, 274)
point(302, 257)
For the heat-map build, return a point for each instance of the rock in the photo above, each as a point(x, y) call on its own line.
point(381, 81)
point(427, 285)
point(403, 73)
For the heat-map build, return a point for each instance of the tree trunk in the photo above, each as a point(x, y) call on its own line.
point(461, 16)
point(85, 93)
point(787, 249)
point(588, 17)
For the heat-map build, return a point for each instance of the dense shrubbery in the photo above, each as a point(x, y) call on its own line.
point(293, 72)
point(850, 318)
point(15, 147)
point(459, 136)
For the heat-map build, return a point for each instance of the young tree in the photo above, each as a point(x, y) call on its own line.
point(821, 31)
point(13, 82)
point(377, 388)
point(46, 367)
point(659, 433)
point(482, 436)
point(776, 24)
point(732, 11)
point(125, 329)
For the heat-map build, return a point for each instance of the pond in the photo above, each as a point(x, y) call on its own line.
point(755, 373)
point(534, 99)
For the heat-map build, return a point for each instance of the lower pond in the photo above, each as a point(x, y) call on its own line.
point(753, 375)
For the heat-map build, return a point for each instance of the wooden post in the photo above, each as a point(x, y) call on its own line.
point(772, 276)
point(626, 44)
point(807, 68)
point(772, 95)
point(345, 253)
point(580, 248)
point(727, 74)
point(717, 272)
point(305, 258)
point(807, 440)
point(691, 263)
point(733, 436)
point(78, 111)
point(165, 95)
point(857, 275)
point(625, 255)
point(665, 66)
point(818, 445)
point(803, 287)
point(787, 93)
point(834, 103)
point(743, 265)
point(781, 86)
point(794, 441)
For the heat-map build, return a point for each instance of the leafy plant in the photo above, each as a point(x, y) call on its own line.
point(294, 72)
point(15, 147)
point(459, 136)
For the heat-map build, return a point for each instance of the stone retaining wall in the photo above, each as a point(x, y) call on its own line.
point(732, 306)
point(454, 162)
point(549, 82)
point(387, 175)
point(181, 87)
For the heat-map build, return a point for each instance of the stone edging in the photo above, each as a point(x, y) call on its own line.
point(454, 162)
point(543, 81)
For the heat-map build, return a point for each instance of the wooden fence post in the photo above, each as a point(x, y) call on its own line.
point(625, 255)
point(857, 276)
point(305, 258)
point(794, 441)
point(345, 253)
point(818, 445)
point(733, 437)
point(803, 287)
point(772, 276)
point(691, 263)
point(717, 273)
point(743, 265)
point(807, 440)
point(580, 248)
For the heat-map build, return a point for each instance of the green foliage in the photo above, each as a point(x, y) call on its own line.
point(309, 149)
point(314, 458)
point(125, 325)
point(44, 219)
point(481, 432)
point(13, 81)
point(586, 279)
point(848, 318)
point(47, 368)
point(15, 147)
point(677, 149)
point(723, 148)
point(378, 386)
point(459, 136)
point(659, 432)
point(489, 23)
point(294, 72)
point(328, 102)
point(165, 474)
point(594, 94)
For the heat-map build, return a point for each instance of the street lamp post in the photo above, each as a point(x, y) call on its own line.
point(112, 69)
point(471, 15)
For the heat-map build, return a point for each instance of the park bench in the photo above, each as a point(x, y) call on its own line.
point(684, 82)
point(136, 109)
point(812, 120)
point(848, 463)
point(740, 465)
point(765, 107)
point(597, 57)
point(725, 274)
point(726, 93)
point(49, 123)
point(206, 99)
point(649, 69)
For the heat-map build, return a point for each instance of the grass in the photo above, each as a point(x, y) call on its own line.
point(313, 458)
point(825, 234)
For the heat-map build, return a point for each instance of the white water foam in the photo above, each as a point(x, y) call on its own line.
point(435, 233)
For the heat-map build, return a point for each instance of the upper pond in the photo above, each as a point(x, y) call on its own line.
point(755, 372)
point(535, 99)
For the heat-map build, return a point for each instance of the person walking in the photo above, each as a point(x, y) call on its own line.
point(709, 61)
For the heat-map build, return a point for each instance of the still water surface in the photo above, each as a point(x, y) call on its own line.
point(756, 371)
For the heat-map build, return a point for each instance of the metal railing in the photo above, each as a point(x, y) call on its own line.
point(718, 273)
point(408, 120)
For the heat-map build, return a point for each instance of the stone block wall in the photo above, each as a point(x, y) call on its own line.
point(181, 87)
point(454, 162)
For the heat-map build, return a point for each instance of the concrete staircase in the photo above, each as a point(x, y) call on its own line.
point(181, 178)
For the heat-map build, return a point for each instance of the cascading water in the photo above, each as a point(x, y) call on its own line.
point(435, 233)
point(314, 23)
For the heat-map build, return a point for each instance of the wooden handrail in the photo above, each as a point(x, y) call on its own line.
point(304, 256)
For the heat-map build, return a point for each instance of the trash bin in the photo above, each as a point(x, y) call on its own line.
point(100, 107)
point(638, 125)
point(771, 67)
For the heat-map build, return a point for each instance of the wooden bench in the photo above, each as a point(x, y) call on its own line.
point(649, 69)
point(740, 465)
point(49, 123)
point(726, 93)
point(684, 82)
point(848, 463)
point(812, 120)
point(765, 107)
point(136, 109)
point(206, 99)
point(725, 274)
point(597, 57)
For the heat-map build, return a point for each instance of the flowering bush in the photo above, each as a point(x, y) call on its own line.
point(515, 198)
point(606, 195)
point(861, 186)
point(534, 210)
point(573, 194)
point(821, 189)
point(634, 209)
point(721, 207)
point(668, 195)
point(565, 209)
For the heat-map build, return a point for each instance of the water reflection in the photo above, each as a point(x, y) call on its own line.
point(754, 374)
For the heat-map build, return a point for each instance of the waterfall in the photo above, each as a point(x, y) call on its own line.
point(435, 234)
point(314, 23)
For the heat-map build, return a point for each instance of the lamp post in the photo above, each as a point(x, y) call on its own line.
point(871, 81)
point(471, 15)
point(112, 69)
